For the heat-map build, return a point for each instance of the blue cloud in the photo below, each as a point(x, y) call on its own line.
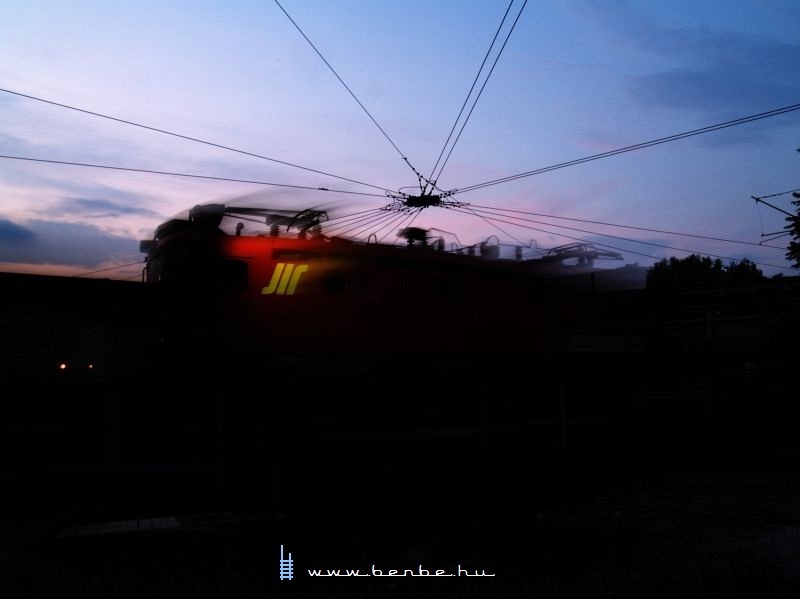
point(711, 89)
point(101, 207)
point(723, 73)
point(47, 242)
point(11, 233)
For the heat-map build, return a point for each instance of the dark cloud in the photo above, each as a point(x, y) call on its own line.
point(101, 207)
point(713, 90)
point(48, 242)
point(726, 74)
point(11, 233)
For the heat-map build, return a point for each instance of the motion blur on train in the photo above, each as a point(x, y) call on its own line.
point(280, 279)
point(258, 339)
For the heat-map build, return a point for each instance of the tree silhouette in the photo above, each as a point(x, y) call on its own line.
point(701, 272)
point(793, 249)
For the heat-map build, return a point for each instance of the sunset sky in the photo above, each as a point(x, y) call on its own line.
point(574, 79)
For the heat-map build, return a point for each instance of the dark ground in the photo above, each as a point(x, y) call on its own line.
point(706, 521)
point(665, 471)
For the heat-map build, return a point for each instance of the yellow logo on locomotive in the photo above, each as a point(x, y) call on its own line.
point(284, 279)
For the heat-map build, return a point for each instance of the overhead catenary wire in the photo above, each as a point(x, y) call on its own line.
point(188, 175)
point(378, 195)
point(193, 139)
point(359, 223)
point(776, 236)
point(650, 243)
point(559, 235)
point(775, 195)
point(617, 225)
point(476, 213)
point(110, 268)
point(483, 86)
point(352, 215)
point(358, 227)
point(631, 148)
point(760, 220)
point(349, 223)
point(469, 94)
point(393, 223)
point(760, 200)
point(407, 221)
point(386, 135)
point(621, 238)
